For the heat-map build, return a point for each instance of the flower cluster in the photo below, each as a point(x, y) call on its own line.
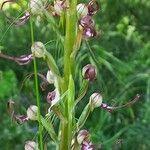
point(62, 99)
point(85, 14)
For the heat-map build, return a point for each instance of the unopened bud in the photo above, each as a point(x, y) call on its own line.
point(89, 72)
point(32, 112)
point(87, 145)
point(82, 10)
point(82, 135)
point(59, 5)
point(36, 7)
point(53, 97)
point(93, 7)
point(96, 100)
point(50, 77)
point(38, 49)
point(31, 145)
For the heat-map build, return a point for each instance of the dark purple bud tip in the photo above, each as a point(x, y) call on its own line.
point(93, 7)
point(89, 72)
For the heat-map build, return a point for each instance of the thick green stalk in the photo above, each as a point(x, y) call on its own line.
point(37, 91)
point(70, 36)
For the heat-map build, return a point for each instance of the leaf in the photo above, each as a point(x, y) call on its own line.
point(83, 117)
point(82, 91)
point(50, 129)
point(71, 94)
point(51, 63)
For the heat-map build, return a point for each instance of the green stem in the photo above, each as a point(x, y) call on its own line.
point(37, 91)
point(70, 36)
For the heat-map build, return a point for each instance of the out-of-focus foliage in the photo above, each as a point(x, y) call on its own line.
point(122, 56)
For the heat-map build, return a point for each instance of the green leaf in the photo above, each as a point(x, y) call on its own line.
point(83, 117)
point(71, 93)
point(82, 91)
point(50, 129)
point(51, 63)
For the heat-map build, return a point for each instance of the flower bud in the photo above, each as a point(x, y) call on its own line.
point(82, 10)
point(89, 32)
point(36, 7)
point(38, 49)
point(87, 145)
point(86, 21)
point(96, 100)
point(93, 7)
point(50, 77)
point(31, 145)
point(89, 72)
point(82, 135)
point(53, 97)
point(59, 5)
point(32, 112)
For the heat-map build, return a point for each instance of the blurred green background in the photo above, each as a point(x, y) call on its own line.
point(122, 56)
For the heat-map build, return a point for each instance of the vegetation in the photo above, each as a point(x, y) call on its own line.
point(120, 53)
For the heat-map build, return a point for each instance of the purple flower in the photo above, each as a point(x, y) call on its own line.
point(86, 21)
point(89, 32)
point(24, 59)
point(21, 118)
point(87, 25)
point(87, 145)
point(89, 72)
point(93, 7)
point(53, 97)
